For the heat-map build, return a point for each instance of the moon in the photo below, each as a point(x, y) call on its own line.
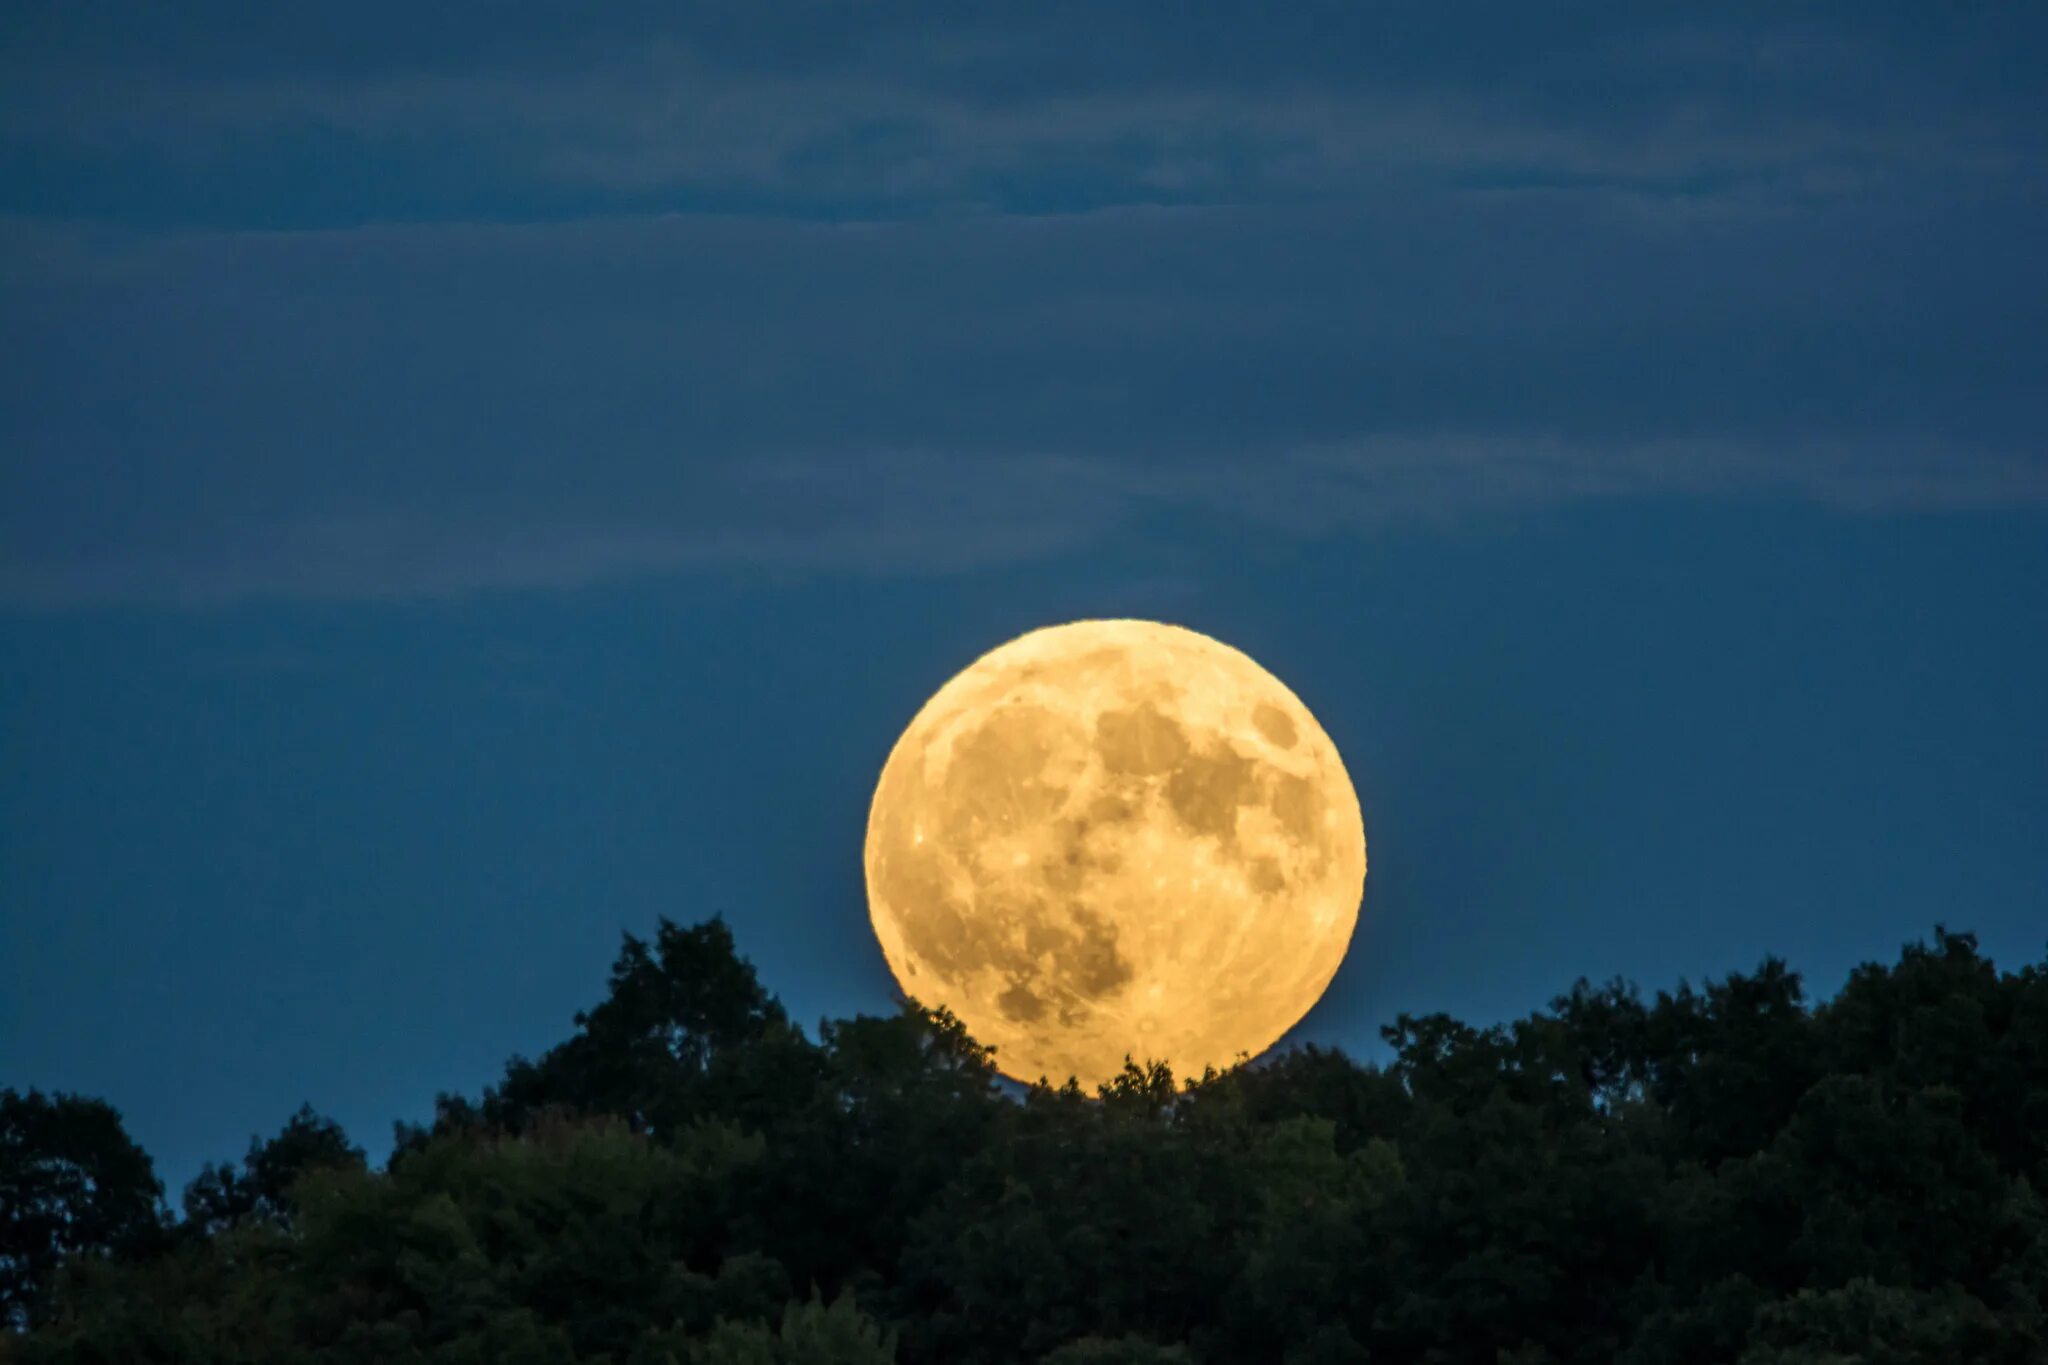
point(1115, 838)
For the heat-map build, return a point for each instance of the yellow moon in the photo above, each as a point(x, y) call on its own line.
point(1115, 838)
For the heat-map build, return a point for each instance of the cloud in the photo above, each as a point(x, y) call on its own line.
point(923, 514)
point(963, 111)
point(572, 297)
point(400, 410)
point(861, 514)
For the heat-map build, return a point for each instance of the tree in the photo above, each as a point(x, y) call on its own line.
point(221, 1195)
point(1874, 1324)
point(660, 1049)
point(72, 1184)
point(810, 1333)
point(1703, 1177)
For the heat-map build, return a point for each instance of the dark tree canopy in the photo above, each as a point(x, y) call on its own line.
point(1727, 1175)
point(223, 1195)
point(73, 1186)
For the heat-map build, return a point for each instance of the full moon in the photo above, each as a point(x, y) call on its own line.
point(1115, 838)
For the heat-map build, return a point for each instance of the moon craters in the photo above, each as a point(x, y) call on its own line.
point(1140, 742)
point(1274, 724)
point(1207, 789)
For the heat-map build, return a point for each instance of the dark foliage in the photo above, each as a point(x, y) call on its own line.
point(222, 1196)
point(1722, 1176)
point(72, 1186)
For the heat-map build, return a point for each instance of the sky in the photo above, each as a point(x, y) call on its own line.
point(476, 480)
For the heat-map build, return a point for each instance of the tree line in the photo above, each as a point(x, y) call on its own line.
point(1727, 1175)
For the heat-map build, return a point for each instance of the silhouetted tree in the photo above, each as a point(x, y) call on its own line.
point(1722, 1175)
point(72, 1185)
point(222, 1195)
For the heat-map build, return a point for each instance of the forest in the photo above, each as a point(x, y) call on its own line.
point(1728, 1174)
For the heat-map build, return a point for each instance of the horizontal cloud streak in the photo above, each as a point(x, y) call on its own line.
point(907, 114)
point(395, 410)
point(412, 303)
point(926, 513)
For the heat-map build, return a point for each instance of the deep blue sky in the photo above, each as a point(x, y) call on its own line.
point(475, 480)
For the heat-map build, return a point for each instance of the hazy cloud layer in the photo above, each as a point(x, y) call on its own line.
point(889, 109)
point(897, 295)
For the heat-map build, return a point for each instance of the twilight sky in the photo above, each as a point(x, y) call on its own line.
point(475, 479)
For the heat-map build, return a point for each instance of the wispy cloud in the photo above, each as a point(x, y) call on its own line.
point(931, 513)
point(1003, 114)
point(919, 297)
